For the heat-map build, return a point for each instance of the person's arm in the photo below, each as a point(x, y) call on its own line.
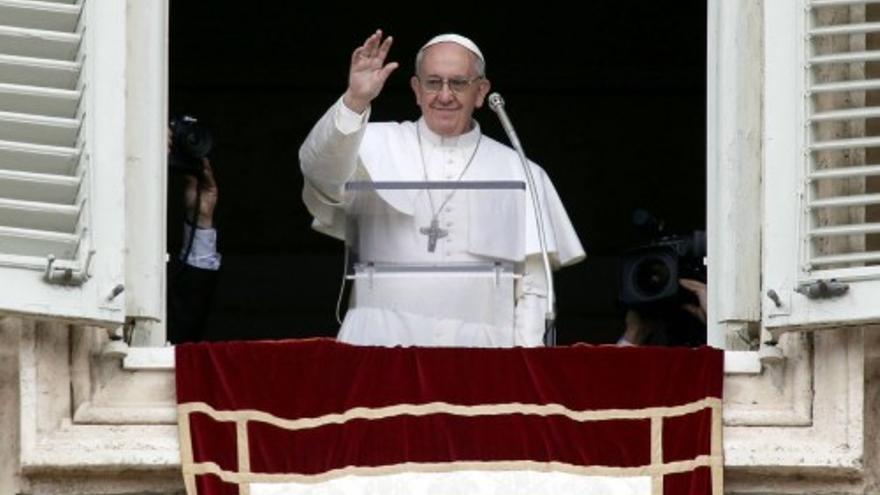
point(531, 304)
point(192, 279)
point(203, 251)
point(328, 157)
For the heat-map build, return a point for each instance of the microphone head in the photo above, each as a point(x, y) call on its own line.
point(496, 102)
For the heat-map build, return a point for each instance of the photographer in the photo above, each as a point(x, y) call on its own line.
point(684, 325)
point(662, 286)
point(192, 276)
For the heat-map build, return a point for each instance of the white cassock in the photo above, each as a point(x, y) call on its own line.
point(343, 147)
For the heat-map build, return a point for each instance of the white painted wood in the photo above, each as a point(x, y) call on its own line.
point(49, 16)
point(42, 101)
point(859, 85)
point(868, 256)
point(838, 3)
point(27, 186)
point(40, 159)
point(846, 57)
point(848, 114)
point(862, 274)
point(38, 129)
point(846, 201)
point(146, 169)
point(41, 72)
point(856, 229)
point(841, 173)
point(790, 201)
point(857, 28)
point(38, 43)
point(34, 243)
point(39, 216)
point(80, 163)
point(842, 144)
point(734, 166)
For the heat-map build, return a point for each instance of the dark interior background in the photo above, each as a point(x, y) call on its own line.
point(610, 100)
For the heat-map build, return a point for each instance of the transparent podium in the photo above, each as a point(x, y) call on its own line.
point(436, 257)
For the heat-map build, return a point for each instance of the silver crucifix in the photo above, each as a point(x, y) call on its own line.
point(433, 232)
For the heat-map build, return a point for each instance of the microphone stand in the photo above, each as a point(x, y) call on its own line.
point(496, 103)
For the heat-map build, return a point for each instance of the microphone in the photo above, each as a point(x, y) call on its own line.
point(496, 103)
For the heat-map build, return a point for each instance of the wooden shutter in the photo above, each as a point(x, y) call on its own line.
point(821, 163)
point(62, 157)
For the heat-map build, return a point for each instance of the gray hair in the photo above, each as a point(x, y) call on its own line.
point(480, 63)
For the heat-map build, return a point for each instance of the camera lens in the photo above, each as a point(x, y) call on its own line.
point(197, 141)
point(651, 277)
point(190, 143)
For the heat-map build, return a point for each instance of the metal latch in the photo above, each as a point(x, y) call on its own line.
point(67, 275)
point(823, 289)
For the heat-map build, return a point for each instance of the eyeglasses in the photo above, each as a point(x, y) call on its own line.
point(456, 84)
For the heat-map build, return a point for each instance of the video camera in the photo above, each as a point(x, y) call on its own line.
point(650, 272)
point(190, 143)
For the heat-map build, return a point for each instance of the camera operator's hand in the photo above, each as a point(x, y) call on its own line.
point(635, 329)
point(368, 72)
point(207, 193)
point(698, 289)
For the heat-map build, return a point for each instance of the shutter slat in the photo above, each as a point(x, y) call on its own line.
point(840, 144)
point(42, 72)
point(839, 230)
point(49, 16)
point(38, 129)
point(862, 28)
point(846, 114)
point(863, 85)
point(846, 201)
point(845, 172)
point(46, 188)
point(38, 43)
point(839, 3)
point(846, 57)
point(39, 216)
point(43, 101)
point(31, 242)
point(25, 157)
point(839, 259)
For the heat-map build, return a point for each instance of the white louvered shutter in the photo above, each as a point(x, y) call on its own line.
point(822, 163)
point(62, 157)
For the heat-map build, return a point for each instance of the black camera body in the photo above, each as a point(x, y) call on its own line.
point(650, 273)
point(190, 143)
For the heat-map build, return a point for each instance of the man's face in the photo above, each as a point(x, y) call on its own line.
point(447, 109)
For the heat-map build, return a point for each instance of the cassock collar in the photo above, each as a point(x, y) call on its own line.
point(465, 140)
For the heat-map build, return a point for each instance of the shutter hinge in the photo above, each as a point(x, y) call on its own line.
point(67, 275)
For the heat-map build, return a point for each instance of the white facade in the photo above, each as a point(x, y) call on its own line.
point(800, 405)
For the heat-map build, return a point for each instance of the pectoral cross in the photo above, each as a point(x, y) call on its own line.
point(433, 232)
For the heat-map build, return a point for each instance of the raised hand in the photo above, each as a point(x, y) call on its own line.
point(368, 72)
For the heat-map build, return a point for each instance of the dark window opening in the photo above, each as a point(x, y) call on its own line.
point(611, 104)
